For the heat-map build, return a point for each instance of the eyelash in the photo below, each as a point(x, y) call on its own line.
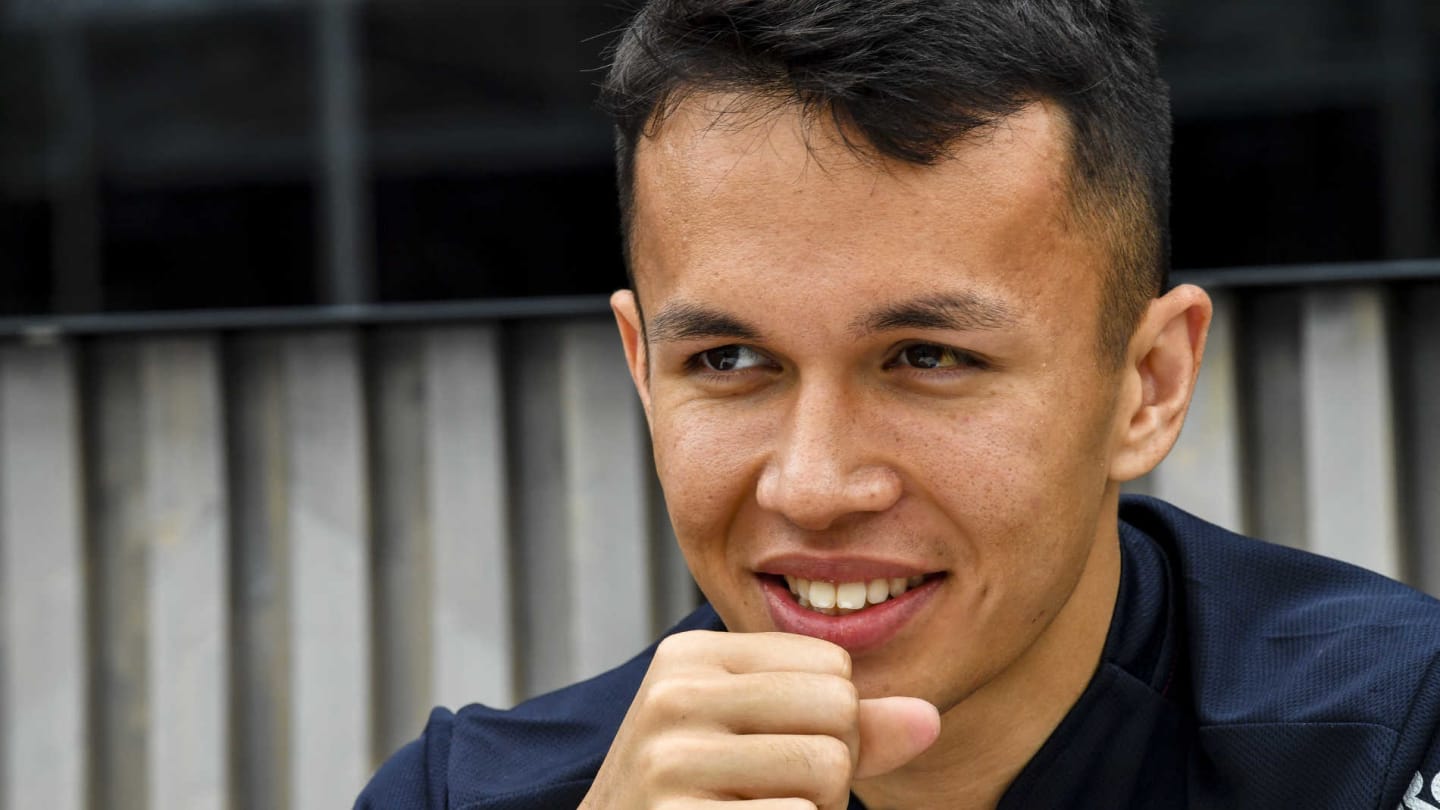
point(964, 360)
point(696, 362)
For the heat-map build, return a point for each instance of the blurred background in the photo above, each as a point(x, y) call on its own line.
point(311, 416)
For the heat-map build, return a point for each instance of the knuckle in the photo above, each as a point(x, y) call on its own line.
point(831, 756)
point(842, 691)
point(664, 759)
point(821, 765)
point(677, 648)
point(647, 760)
point(824, 657)
point(827, 761)
point(839, 661)
point(671, 698)
point(690, 647)
point(846, 699)
point(839, 699)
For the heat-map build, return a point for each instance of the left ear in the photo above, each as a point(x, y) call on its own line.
point(1161, 367)
point(626, 306)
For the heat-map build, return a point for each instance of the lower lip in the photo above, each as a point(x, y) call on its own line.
point(859, 632)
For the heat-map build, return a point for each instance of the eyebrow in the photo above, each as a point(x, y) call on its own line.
point(685, 321)
point(955, 312)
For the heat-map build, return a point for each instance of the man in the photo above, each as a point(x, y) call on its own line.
point(900, 326)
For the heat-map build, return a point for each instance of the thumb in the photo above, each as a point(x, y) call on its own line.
point(893, 731)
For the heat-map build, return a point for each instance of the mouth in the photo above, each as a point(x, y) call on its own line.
point(844, 598)
point(861, 615)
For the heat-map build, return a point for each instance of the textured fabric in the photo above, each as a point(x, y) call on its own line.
point(1235, 675)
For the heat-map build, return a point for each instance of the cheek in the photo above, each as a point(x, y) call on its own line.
point(1012, 473)
point(991, 459)
point(705, 462)
point(1045, 486)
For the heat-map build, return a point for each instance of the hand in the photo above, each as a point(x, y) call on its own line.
point(770, 719)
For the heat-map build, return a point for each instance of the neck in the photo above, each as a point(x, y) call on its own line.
point(988, 738)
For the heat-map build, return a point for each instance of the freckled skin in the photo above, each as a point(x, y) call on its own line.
point(1003, 477)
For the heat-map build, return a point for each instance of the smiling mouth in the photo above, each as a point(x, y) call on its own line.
point(845, 598)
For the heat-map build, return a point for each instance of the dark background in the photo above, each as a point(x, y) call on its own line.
point(192, 154)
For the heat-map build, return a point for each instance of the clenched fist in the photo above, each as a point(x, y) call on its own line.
point(769, 719)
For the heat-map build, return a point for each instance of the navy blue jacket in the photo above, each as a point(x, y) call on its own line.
point(1236, 674)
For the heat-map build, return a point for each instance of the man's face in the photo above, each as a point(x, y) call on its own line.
point(864, 370)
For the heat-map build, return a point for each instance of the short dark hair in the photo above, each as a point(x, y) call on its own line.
point(913, 77)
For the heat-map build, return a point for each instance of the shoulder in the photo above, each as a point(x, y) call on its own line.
point(1281, 635)
point(1312, 682)
point(407, 780)
point(543, 753)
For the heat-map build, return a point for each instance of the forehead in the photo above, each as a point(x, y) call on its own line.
point(729, 191)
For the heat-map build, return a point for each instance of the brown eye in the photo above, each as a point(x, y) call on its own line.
point(929, 356)
point(730, 358)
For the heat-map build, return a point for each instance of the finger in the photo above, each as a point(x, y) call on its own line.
point(754, 652)
point(778, 703)
point(893, 731)
point(816, 767)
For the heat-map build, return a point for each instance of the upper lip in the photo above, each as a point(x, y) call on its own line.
point(838, 568)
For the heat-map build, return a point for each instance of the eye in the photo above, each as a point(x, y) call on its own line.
point(928, 356)
point(730, 358)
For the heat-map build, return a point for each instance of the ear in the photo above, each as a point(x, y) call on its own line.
point(1160, 370)
point(632, 337)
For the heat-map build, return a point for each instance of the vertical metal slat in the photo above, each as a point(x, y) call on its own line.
point(1419, 354)
point(1273, 434)
point(1349, 431)
point(469, 517)
point(260, 573)
point(117, 547)
point(41, 580)
point(186, 548)
point(537, 494)
point(329, 595)
point(402, 567)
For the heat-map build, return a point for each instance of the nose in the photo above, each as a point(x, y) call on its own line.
point(820, 471)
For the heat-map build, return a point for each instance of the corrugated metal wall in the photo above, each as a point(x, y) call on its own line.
point(236, 569)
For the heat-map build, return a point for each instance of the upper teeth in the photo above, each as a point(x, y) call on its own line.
point(832, 597)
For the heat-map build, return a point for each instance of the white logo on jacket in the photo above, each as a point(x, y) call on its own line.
point(1412, 800)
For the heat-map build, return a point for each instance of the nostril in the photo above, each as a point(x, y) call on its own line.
point(879, 486)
